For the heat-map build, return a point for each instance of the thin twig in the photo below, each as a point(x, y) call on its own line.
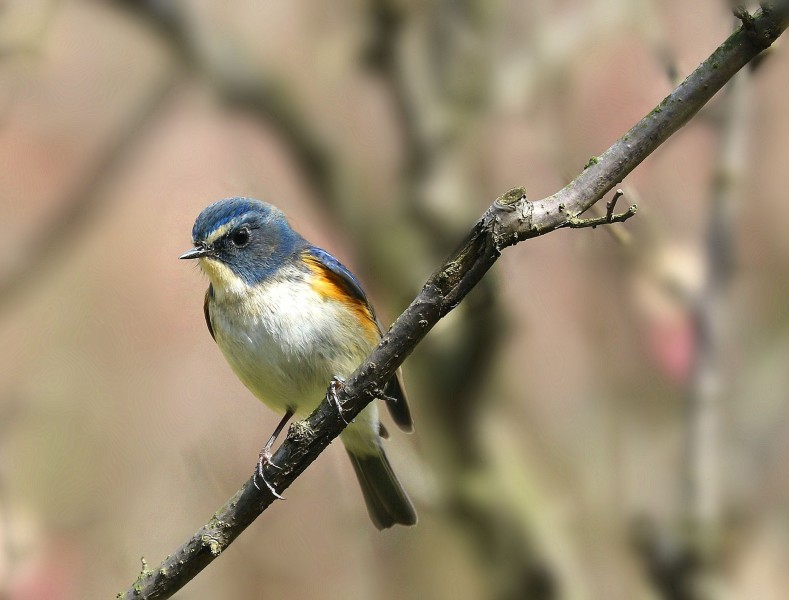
point(611, 206)
point(575, 222)
point(578, 223)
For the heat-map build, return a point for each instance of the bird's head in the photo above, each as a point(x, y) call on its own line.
point(242, 241)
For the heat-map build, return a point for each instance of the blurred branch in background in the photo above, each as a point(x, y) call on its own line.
point(685, 561)
point(9, 551)
point(228, 71)
point(705, 439)
point(78, 206)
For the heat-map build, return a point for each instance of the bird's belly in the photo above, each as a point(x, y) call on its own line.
point(285, 343)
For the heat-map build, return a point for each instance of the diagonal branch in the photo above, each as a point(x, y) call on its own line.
point(81, 203)
point(510, 219)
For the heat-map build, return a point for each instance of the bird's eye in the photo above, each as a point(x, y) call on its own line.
point(240, 238)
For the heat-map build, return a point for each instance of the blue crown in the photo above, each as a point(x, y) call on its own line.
point(222, 212)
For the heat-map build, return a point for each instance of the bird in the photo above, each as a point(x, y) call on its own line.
point(292, 323)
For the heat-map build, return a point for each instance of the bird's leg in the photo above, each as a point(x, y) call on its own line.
point(331, 395)
point(264, 458)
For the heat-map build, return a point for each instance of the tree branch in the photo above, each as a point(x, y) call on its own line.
point(510, 219)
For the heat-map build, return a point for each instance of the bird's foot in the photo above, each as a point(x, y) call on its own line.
point(336, 384)
point(264, 458)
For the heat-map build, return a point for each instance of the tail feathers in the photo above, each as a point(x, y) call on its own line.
point(386, 500)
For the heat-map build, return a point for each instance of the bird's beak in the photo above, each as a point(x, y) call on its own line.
point(196, 252)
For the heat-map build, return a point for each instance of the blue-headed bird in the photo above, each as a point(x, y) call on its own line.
point(291, 320)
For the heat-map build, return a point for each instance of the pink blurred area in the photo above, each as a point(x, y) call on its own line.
point(122, 428)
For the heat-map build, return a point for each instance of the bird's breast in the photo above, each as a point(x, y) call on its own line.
point(285, 340)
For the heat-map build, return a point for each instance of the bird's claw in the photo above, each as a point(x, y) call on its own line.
point(332, 397)
point(264, 458)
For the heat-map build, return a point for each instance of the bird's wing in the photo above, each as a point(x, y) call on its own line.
point(339, 275)
point(209, 293)
point(341, 278)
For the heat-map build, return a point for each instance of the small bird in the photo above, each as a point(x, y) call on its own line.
point(291, 320)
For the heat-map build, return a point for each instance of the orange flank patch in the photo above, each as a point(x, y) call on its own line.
point(332, 286)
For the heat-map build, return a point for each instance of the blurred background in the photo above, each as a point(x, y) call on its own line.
point(606, 415)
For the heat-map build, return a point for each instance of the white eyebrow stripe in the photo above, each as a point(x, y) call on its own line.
point(220, 231)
